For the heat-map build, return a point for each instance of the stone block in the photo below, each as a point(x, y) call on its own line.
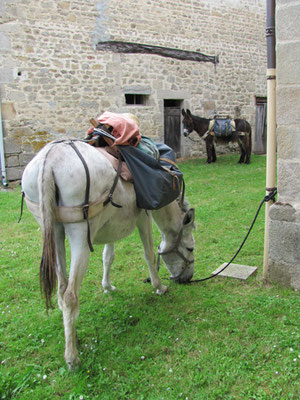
point(11, 147)
point(8, 111)
point(236, 271)
point(12, 161)
point(288, 72)
point(288, 181)
point(282, 212)
point(287, 22)
point(288, 139)
point(284, 239)
point(279, 273)
point(285, 274)
point(286, 98)
point(4, 42)
point(14, 174)
point(6, 75)
point(25, 158)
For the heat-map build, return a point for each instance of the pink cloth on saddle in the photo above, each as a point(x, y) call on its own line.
point(125, 130)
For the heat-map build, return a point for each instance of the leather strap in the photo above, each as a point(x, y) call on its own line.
point(85, 207)
point(109, 199)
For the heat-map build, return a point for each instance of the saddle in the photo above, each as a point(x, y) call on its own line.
point(150, 167)
point(222, 126)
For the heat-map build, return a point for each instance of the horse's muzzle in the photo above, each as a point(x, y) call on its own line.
point(182, 279)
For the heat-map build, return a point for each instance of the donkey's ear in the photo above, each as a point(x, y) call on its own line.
point(188, 112)
point(189, 217)
point(183, 112)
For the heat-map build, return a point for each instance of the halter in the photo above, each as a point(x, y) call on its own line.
point(175, 249)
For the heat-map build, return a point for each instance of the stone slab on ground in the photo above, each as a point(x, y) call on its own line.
point(236, 271)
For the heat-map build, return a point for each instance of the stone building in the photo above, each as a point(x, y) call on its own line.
point(284, 238)
point(54, 78)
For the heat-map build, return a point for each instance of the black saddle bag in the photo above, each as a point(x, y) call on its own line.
point(156, 182)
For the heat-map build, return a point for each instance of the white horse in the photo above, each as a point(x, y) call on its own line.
point(54, 184)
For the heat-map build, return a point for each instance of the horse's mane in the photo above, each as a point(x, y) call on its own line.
point(185, 206)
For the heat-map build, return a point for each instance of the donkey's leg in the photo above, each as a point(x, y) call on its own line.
point(108, 256)
point(62, 279)
point(213, 153)
point(144, 224)
point(208, 150)
point(248, 148)
point(241, 140)
point(77, 234)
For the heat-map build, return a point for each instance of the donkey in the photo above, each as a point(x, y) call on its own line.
point(241, 134)
point(55, 184)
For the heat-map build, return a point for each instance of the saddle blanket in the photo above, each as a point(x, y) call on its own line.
point(112, 156)
point(223, 127)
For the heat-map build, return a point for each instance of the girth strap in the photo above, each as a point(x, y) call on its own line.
point(85, 207)
point(110, 200)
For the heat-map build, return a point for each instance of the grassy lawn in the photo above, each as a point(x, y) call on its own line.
point(221, 339)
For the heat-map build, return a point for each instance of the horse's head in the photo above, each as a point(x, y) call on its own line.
point(187, 122)
point(177, 249)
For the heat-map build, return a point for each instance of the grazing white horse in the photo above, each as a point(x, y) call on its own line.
point(54, 185)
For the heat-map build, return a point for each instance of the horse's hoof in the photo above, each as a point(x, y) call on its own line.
point(73, 365)
point(162, 290)
point(109, 289)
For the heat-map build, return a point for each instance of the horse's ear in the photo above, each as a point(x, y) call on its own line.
point(189, 217)
point(183, 112)
point(188, 112)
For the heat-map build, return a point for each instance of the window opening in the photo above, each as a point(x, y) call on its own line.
point(139, 99)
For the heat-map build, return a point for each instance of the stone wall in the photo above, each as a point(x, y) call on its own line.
point(53, 80)
point(284, 248)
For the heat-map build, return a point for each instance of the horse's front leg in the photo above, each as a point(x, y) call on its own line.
point(144, 224)
point(108, 257)
point(80, 252)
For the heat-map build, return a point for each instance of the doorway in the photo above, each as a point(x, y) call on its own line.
point(172, 124)
point(260, 137)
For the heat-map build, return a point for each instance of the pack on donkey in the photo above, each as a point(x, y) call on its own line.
point(73, 190)
point(221, 130)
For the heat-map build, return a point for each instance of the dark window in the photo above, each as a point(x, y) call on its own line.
point(135, 98)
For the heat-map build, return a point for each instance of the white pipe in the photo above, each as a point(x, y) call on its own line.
point(271, 159)
point(271, 122)
point(2, 154)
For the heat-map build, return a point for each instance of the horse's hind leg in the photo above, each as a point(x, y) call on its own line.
point(77, 234)
point(62, 279)
point(108, 257)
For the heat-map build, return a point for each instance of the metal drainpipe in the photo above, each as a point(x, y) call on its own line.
point(271, 123)
point(2, 154)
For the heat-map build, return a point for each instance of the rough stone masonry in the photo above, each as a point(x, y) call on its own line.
point(284, 236)
point(53, 80)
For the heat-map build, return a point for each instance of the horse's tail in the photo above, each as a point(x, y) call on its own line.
point(46, 185)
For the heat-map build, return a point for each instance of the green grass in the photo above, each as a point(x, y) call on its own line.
point(221, 339)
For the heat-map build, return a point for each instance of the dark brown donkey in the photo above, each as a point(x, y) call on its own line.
point(241, 134)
